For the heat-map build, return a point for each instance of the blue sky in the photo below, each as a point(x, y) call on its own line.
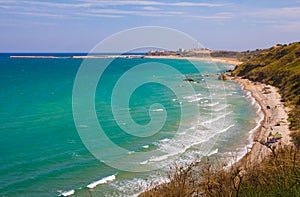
point(79, 25)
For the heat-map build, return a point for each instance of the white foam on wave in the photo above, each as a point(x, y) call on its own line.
point(101, 181)
point(192, 98)
point(163, 157)
point(208, 138)
point(241, 152)
point(211, 104)
point(157, 110)
point(173, 149)
point(220, 109)
point(258, 124)
point(253, 101)
point(213, 152)
point(144, 162)
point(248, 94)
point(238, 154)
point(258, 111)
point(67, 193)
point(146, 146)
point(215, 119)
point(226, 129)
point(165, 140)
point(134, 187)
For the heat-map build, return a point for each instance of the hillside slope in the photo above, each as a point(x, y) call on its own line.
point(278, 66)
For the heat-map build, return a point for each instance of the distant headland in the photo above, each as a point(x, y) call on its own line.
point(231, 57)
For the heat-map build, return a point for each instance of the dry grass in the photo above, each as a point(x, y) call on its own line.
point(277, 175)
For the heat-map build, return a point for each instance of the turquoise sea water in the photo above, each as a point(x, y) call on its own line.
point(42, 153)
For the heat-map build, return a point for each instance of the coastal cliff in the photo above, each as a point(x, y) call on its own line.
point(266, 170)
point(278, 66)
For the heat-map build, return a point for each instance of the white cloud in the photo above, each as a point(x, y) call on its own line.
point(133, 12)
point(7, 7)
point(100, 15)
point(8, 2)
point(149, 3)
point(194, 4)
point(122, 2)
point(222, 15)
point(104, 8)
point(59, 5)
point(150, 8)
point(38, 14)
point(291, 26)
point(287, 12)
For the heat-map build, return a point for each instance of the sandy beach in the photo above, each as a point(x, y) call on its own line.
point(208, 58)
point(274, 111)
point(275, 120)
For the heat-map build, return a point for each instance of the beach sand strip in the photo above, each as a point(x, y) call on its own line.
point(275, 120)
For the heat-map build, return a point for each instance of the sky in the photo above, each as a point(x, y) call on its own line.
point(79, 25)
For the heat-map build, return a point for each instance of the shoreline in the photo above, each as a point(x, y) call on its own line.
point(208, 58)
point(269, 101)
point(224, 60)
point(274, 120)
point(263, 94)
point(256, 90)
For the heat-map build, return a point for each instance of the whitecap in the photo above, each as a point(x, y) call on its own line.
point(164, 140)
point(211, 104)
point(257, 125)
point(101, 181)
point(146, 146)
point(144, 162)
point(174, 148)
point(194, 100)
point(215, 119)
point(158, 110)
point(161, 158)
point(213, 152)
point(220, 109)
point(67, 193)
point(226, 129)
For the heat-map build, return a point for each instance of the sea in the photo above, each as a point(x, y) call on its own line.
point(152, 112)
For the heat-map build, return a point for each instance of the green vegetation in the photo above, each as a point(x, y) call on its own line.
point(278, 66)
point(277, 175)
point(241, 56)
